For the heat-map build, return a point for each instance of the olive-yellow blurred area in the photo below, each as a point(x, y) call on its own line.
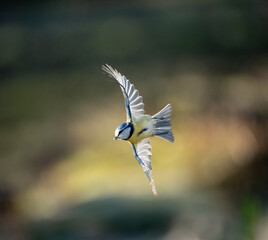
point(61, 174)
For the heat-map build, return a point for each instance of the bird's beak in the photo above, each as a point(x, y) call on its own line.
point(115, 138)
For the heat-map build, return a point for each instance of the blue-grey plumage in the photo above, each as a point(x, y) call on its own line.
point(124, 131)
point(162, 124)
point(139, 127)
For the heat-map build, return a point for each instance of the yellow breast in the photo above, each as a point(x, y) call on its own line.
point(143, 128)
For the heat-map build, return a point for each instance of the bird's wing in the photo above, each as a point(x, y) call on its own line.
point(133, 101)
point(143, 155)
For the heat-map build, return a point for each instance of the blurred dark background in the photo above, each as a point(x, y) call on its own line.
point(62, 176)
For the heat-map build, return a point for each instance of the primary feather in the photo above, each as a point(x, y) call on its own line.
point(144, 153)
point(135, 100)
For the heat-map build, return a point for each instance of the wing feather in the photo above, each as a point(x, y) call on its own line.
point(133, 101)
point(143, 154)
point(136, 101)
point(133, 96)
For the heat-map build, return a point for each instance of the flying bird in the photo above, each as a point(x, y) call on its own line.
point(139, 127)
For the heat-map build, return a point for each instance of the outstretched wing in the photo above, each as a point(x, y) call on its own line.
point(133, 101)
point(143, 155)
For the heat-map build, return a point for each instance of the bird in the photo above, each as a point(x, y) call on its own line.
point(139, 126)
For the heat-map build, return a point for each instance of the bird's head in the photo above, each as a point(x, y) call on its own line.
point(124, 131)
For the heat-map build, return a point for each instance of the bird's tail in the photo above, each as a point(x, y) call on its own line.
point(162, 124)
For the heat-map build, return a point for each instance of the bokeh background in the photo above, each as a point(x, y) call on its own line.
point(61, 174)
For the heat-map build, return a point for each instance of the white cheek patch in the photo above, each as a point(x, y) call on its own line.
point(125, 134)
point(116, 132)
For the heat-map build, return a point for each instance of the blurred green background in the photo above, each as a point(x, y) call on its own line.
point(61, 174)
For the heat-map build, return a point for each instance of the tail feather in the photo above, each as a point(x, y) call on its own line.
point(162, 124)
